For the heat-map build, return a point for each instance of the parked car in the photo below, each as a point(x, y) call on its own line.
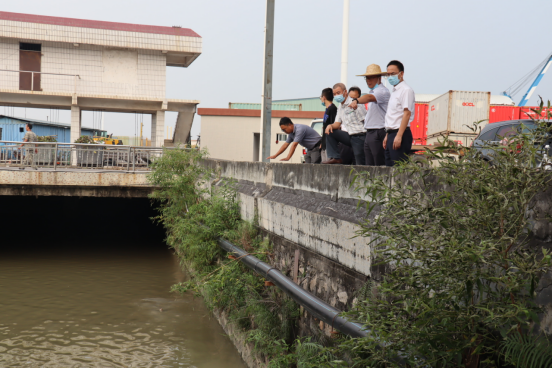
point(317, 125)
point(493, 134)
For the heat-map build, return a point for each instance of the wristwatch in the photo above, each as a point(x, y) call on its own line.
point(355, 99)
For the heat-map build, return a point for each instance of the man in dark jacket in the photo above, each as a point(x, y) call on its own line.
point(329, 116)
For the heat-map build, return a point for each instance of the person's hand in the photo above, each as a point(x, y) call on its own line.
point(353, 105)
point(397, 142)
point(385, 142)
point(271, 157)
point(285, 159)
point(329, 129)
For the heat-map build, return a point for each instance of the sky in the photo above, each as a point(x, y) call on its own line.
point(472, 45)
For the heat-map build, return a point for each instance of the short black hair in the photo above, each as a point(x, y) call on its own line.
point(328, 94)
point(398, 64)
point(30, 126)
point(355, 89)
point(285, 121)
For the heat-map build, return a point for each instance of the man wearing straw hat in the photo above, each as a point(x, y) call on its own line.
point(377, 100)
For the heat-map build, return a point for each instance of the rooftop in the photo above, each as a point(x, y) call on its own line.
point(44, 122)
point(97, 24)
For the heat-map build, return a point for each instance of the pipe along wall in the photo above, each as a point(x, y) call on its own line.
point(314, 305)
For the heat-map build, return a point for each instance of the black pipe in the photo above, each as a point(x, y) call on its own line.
point(314, 305)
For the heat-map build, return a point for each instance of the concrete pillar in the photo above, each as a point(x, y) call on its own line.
point(158, 129)
point(75, 123)
point(75, 130)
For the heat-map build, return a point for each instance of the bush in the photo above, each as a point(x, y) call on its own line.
point(457, 239)
point(85, 139)
point(47, 138)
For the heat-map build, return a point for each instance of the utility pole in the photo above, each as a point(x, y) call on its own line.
point(345, 42)
point(266, 104)
point(102, 121)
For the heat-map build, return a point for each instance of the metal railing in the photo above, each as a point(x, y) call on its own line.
point(57, 156)
point(53, 85)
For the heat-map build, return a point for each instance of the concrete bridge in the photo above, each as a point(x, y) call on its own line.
point(74, 182)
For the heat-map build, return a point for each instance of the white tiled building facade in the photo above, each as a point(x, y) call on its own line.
point(95, 65)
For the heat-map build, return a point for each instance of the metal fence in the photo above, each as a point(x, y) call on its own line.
point(77, 156)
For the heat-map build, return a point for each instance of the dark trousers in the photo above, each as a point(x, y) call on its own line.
point(313, 156)
point(355, 142)
point(373, 147)
point(392, 156)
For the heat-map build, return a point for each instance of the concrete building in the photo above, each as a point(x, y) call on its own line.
point(234, 134)
point(76, 64)
point(13, 129)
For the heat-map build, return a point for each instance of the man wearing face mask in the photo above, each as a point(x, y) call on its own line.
point(377, 100)
point(400, 113)
point(350, 120)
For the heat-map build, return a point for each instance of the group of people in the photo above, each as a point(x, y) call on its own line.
point(378, 135)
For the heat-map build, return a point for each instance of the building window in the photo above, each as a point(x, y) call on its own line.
point(281, 137)
point(30, 46)
point(0, 134)
point(21, 129)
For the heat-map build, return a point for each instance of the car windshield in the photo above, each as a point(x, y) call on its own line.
point(318, 127)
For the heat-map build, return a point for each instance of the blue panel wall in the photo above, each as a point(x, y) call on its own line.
point(11, 130)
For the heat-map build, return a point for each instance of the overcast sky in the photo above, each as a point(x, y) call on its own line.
point(473, 45)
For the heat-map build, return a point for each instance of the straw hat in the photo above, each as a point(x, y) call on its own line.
point(372, 70)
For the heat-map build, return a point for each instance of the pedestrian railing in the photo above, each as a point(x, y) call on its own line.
point(77, 156)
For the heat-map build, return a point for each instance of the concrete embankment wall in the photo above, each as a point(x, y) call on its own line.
point(313, 209)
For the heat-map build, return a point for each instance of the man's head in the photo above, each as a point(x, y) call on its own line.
point(286, 125)
point(372, 76)
point(373, 80)
point(29, 127)
point(354, 92)
point(339, 89)
point(327, 95)
point(395, 72)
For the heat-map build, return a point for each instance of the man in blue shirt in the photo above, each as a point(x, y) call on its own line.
point(303, 135)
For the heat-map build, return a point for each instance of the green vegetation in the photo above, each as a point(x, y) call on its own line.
point(47, 138)
point(85, 139)
point(463, 273)
point(195, 217)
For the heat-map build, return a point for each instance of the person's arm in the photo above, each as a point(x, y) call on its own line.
point(25, 139)
point(280, 151)
point(404, 123)
point(336, 124)
point(363, 100)
point(291, 152)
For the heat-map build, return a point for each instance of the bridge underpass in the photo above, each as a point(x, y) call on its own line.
point(87, 280)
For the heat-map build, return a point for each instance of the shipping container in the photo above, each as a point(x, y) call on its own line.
point(527, 113)
point(257, 106)
point(465, 140)
point(418, 126)
point(454, 111)
point(503, 113)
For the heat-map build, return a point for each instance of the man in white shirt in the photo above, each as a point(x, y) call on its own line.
point(348, 128)
point(400, 113)
point(377, 100)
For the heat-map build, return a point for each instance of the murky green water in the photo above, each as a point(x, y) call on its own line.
point(96, 303)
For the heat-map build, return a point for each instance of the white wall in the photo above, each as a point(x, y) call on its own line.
point(231, 137)
point(103, 71)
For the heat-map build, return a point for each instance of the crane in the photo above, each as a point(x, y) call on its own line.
point(513, 89)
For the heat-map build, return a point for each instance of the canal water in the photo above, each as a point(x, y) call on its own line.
point(86, 283)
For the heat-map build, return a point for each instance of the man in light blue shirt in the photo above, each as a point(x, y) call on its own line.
point(303, 135)
point(377, 99)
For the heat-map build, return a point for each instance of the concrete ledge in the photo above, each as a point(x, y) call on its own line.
point(75, 191)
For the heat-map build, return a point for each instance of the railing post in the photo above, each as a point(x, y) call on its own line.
point(128, 160)
point(134, 160)
point(32, 81)
point(55, 156)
